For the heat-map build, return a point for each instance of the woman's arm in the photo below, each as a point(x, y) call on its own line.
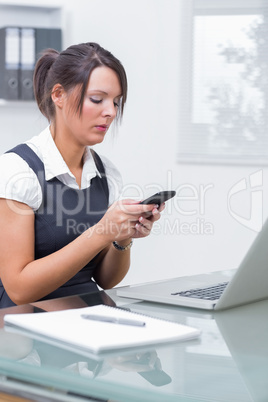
point(114, 264)
point(26, 279)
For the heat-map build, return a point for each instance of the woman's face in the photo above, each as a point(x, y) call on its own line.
point(99, 108)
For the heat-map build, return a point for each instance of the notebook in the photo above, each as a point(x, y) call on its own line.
point(246, 284)
point(98, 329)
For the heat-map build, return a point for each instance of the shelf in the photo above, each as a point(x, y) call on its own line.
point(24, 13)
point(17, 103)
point(45, 5)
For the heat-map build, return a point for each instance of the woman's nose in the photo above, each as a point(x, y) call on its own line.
point(110, 110)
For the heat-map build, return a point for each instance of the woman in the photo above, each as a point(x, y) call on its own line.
point(61, 225)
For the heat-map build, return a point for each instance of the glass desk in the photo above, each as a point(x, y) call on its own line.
point(229, 362)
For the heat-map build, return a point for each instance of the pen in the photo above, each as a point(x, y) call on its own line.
point(114, 320)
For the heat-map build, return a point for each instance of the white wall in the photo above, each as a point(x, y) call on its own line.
point(146, 36)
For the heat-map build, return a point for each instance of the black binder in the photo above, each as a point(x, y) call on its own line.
point(9, 62)
point(27, 63)
point(33, 42)
point(19, 50)
point(47, 38)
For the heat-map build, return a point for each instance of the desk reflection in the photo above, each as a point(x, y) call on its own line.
point(245, 331)
point(28, 351)
point(229, 361)
point(232, 356)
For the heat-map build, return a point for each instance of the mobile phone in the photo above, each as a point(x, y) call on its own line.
point(159, 198)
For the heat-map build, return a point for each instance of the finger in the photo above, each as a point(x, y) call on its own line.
point(146, 223)
point(141, 230)
point(129, 201)
point(135, 208)
point(155, 215)
point(162, 207)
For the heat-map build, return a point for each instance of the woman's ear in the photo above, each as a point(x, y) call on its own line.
point(57, 95)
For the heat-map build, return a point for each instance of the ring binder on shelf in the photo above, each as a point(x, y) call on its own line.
point(19, 50)
point(27, 63)
point(9, 62)
point(47, 38)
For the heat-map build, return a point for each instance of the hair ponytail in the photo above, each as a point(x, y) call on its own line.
point(41, 82)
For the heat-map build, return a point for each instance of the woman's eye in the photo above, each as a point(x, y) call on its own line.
point(95, 100)
point(116, 104)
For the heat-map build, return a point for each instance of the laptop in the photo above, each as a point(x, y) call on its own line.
point(216, 290)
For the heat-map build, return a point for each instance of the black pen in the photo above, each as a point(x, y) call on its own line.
point(114, 320)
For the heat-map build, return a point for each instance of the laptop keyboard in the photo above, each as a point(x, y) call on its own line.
point(209, 293)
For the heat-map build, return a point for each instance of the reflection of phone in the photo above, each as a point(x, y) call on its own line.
point(159, 198)
point(156, 377)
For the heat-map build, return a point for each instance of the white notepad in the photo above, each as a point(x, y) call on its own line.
point(70, 330)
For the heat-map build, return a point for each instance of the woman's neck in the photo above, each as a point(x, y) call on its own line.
point(72, 154)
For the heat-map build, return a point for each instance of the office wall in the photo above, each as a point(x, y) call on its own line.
point(197, 232)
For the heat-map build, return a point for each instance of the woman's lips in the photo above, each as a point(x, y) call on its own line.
point(102, 127)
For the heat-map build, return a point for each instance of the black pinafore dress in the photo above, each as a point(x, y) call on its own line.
point(64, 214)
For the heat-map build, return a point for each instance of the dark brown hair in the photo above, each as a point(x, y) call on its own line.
point(71, 69)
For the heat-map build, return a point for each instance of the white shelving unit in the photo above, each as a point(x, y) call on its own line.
point(21, 119)
point(31, 13)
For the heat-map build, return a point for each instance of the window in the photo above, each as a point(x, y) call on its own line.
point(225, 115)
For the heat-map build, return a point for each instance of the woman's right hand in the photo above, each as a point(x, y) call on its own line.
point(120, 221)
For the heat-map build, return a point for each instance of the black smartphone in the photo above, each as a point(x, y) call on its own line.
point(159, 198)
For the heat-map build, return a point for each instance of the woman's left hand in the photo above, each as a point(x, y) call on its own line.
point(145, 224)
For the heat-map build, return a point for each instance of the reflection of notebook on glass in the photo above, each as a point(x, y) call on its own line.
point(248, 284)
